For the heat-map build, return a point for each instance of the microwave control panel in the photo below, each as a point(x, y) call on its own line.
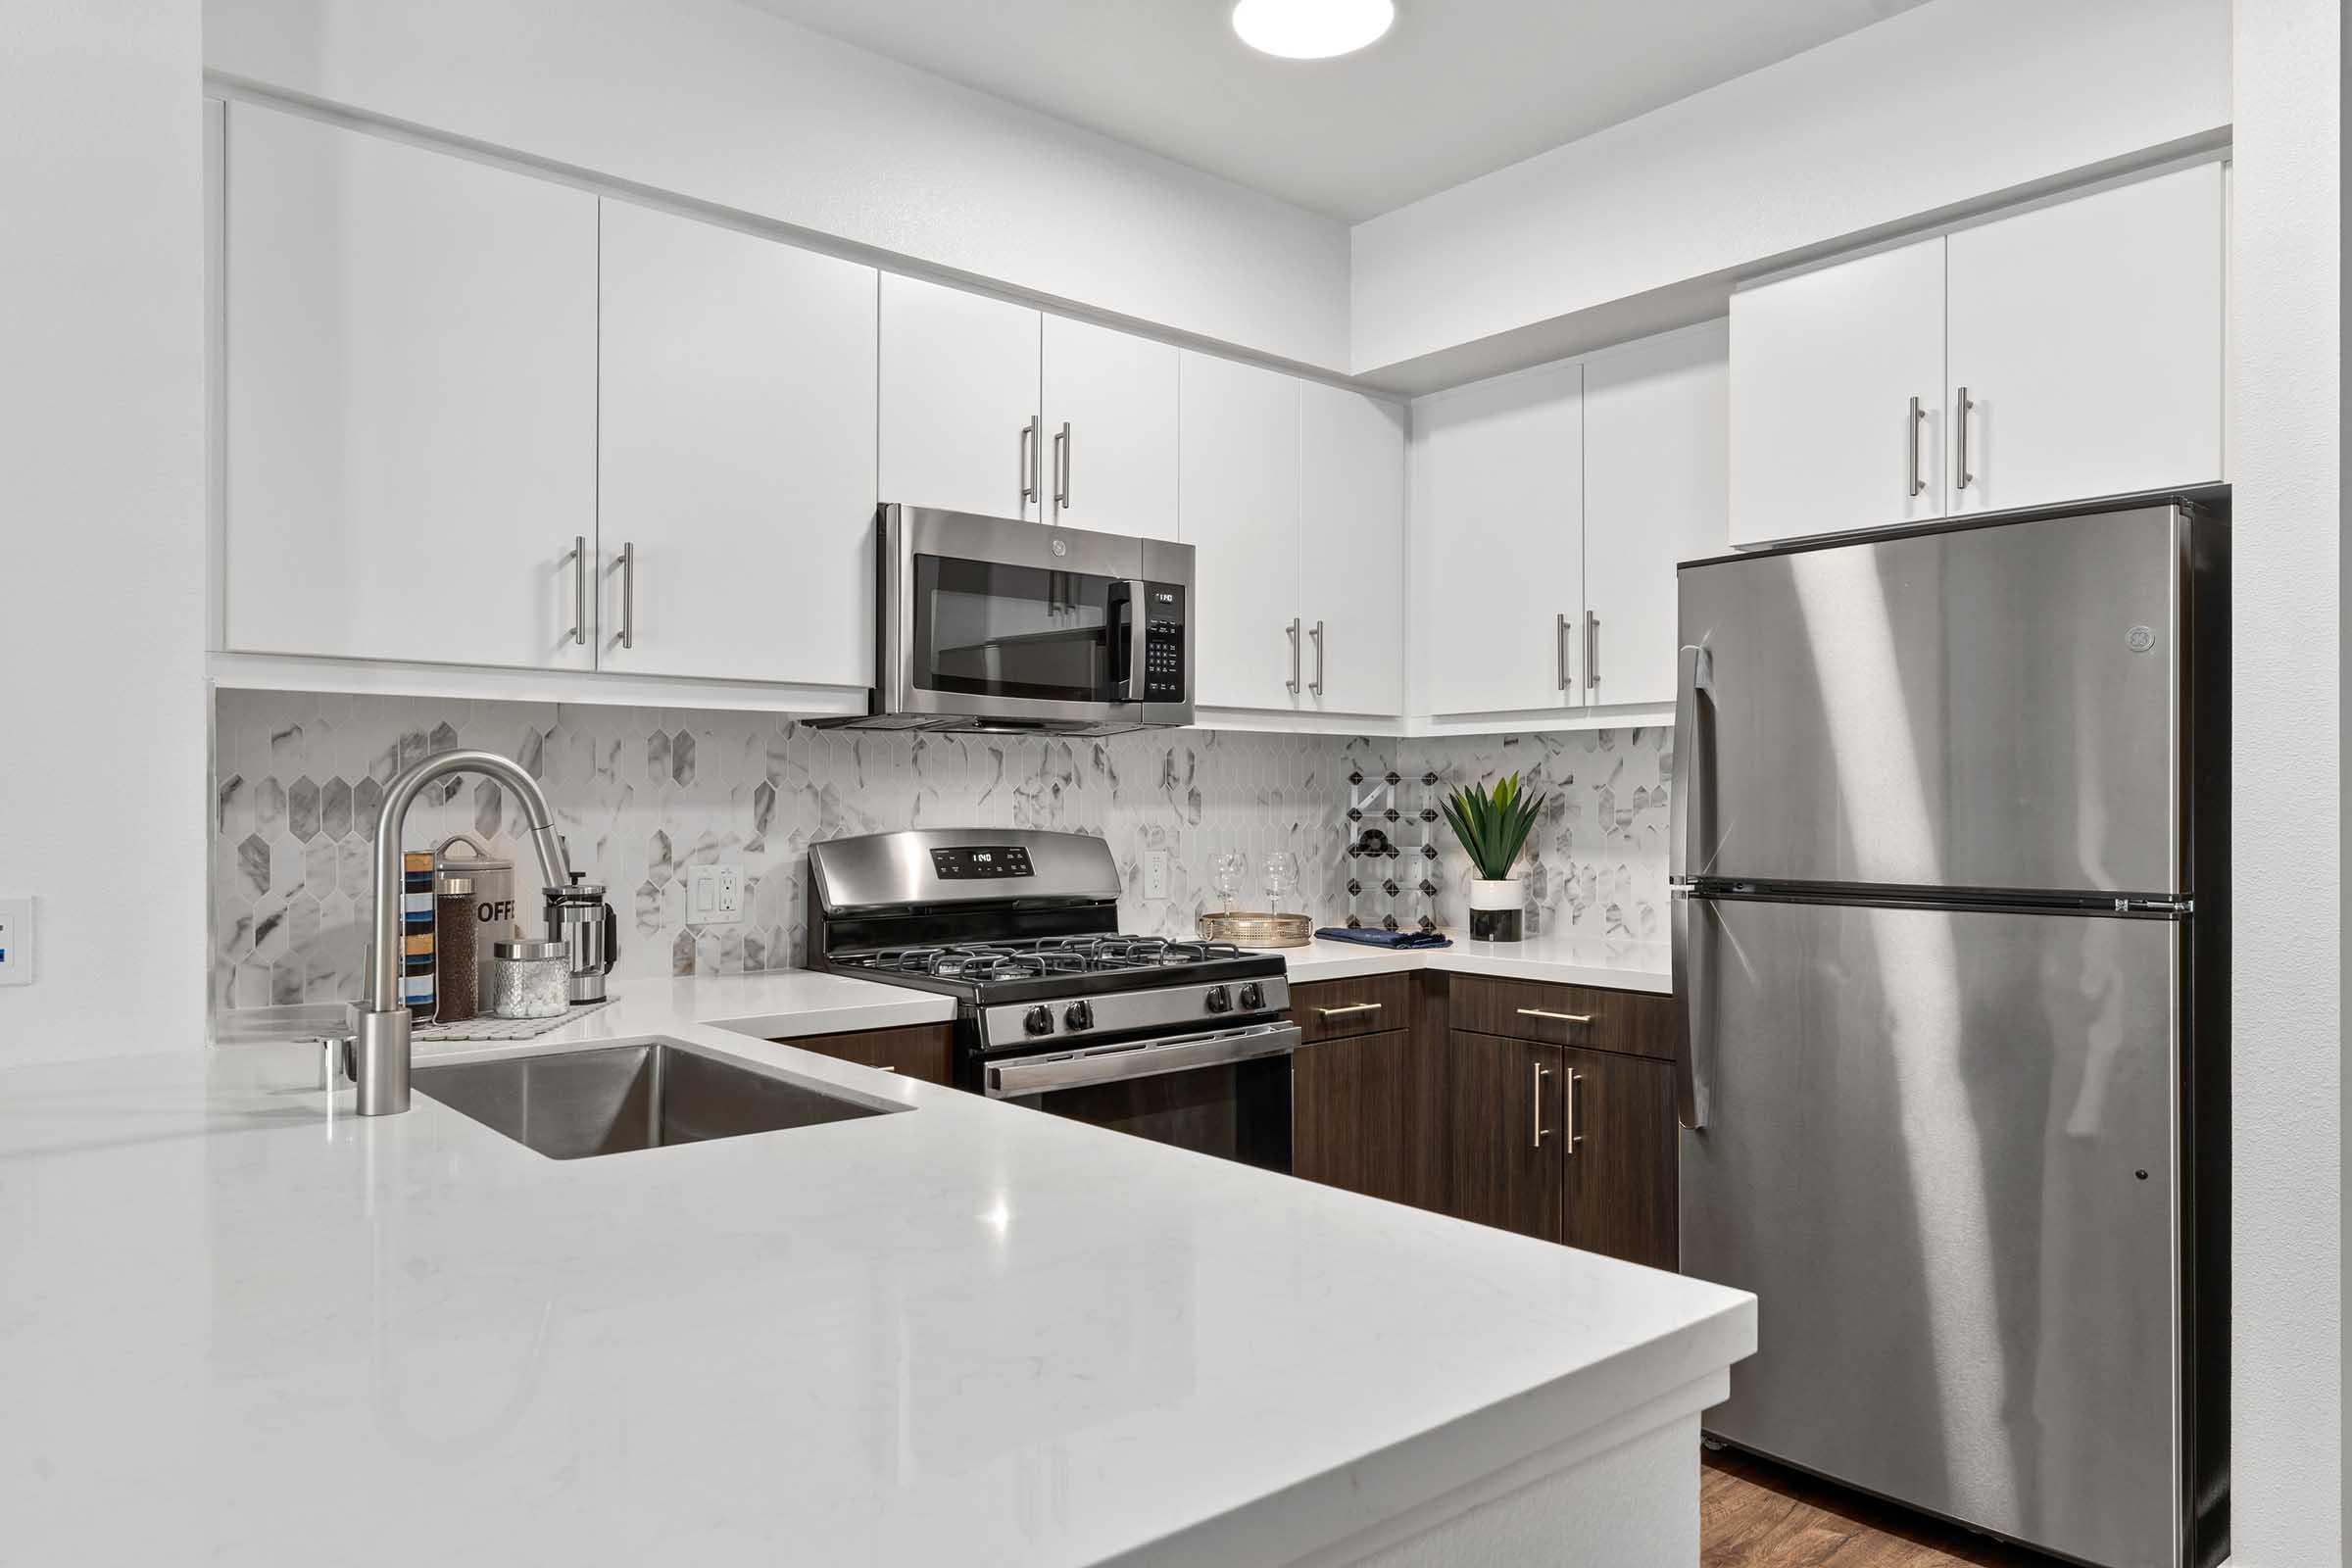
point(1163, 642)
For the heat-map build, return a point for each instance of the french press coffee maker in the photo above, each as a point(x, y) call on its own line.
point(580, 917)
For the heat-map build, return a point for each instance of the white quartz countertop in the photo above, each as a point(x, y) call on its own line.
point(1620, 964)
point(239, 1325)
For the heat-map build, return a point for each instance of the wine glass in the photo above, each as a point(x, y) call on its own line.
point(1230, 869)
point(1281, 878)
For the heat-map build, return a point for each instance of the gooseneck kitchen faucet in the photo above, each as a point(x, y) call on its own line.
point(379, 1060)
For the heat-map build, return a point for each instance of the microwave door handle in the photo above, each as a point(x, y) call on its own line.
point(1131, 685)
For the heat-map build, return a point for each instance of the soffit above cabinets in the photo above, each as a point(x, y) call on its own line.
point(1457, 88)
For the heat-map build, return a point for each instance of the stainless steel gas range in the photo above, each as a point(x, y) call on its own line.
point(1182, 1042)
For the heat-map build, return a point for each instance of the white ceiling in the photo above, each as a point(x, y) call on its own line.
point(1456, 89)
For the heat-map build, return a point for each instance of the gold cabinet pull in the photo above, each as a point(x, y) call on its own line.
point(1557, 1017)
point(1353, 1006)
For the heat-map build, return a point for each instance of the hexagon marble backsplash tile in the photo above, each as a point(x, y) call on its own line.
point(641, 794)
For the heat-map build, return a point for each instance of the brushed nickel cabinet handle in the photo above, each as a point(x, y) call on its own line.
point(1293, 633)
point(1559, 649)
point(1576, 1109)
point(1353, 1006)
point(629, 594)
point(1316, 685)
point(1592, 649)
point(1062, 468)
point(1918, 417)
point(1028, 456)
point(1541, 1072)
point(1962, 458)
point(1557, 1017)
point(579, 588)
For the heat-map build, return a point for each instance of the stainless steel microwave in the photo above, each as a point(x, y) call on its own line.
point(988, 623)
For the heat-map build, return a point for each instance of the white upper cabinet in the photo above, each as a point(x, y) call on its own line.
point(960, 424)
point(1240, 489)
point(1837, 397)
point(1111, 430)
point(2088, 336)
point(411, 438)
point(735, 455)
point(1352, 550)
point(1657, 493)
point(1499, 545)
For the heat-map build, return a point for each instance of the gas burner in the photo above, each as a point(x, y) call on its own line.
point(1044, 956)
point(1121, 951)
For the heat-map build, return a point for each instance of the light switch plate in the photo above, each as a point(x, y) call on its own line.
point(15, 941)
point(1155, 874)
point(714, 894)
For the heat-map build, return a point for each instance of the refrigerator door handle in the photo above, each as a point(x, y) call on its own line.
point(1692, 761)
point(1689, 1077)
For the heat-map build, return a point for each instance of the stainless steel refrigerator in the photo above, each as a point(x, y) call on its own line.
point(1950, 944)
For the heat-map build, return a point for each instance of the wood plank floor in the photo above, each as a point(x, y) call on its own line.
point(1756, 1514)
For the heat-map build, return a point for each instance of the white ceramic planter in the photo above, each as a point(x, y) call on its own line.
point(1496, 909)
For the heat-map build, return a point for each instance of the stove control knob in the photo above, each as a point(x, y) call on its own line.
point(1080, 1015)
point(1039, 1021)
point(1219, 999)
point(1254, 996)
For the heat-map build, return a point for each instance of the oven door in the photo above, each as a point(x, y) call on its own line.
point(1031, 624)
point(1225, 1092)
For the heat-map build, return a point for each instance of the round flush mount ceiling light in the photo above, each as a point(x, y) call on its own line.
point(1312, 30)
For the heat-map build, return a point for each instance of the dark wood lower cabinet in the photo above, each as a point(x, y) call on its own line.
point(1571, 1146)
point(1367, 1113)
point(1618, 1148)
point(1567, 1143)
point(1505, 1103)
point(921, 1050)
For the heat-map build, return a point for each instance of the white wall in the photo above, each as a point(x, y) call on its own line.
point(1940, 105)
point(718, 102)
point(102, 699)
point(2288, 1169)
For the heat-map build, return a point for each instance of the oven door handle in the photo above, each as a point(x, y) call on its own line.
point(1110, 1064)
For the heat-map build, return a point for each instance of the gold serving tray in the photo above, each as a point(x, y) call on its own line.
point(1253, 929)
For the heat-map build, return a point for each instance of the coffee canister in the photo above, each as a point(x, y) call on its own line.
point(495, 917)
point(456, 976)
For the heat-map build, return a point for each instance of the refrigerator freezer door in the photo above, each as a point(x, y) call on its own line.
point(1992, 708)
point(1939, 1151)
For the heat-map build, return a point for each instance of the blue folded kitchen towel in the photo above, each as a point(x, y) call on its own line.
point(1371, 937)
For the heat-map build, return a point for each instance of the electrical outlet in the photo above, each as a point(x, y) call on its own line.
point(15, 942)
point(714, 894)
point(1155, 874)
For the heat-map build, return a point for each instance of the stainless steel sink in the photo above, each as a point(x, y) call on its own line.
point(574, 1104)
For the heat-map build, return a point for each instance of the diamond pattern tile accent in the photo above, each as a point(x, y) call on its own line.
point(253, 864)
point(334, 808)
point(304, 776)
point(489, 808)
point(319, 866)
point(366, 799)
point(302, 808)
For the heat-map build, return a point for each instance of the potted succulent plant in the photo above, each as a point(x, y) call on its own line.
point(1494, 829)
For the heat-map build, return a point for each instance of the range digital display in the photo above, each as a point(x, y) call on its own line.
point(964, 863)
